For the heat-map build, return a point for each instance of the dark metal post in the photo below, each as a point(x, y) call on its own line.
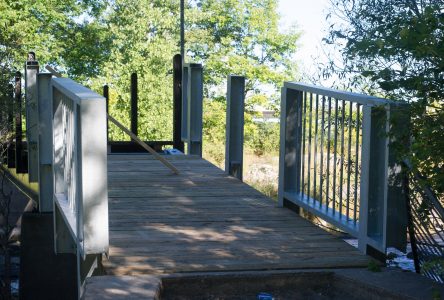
point(20, 163)
point(177, 99)
point(10, 127)
point(32, 116)
point(134, 103)
point(235, 126)
point(106, 95)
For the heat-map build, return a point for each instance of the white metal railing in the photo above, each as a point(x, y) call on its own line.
point(79, 168)
point(336, 162)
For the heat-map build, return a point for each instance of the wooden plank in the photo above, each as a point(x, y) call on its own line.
point(204, 220)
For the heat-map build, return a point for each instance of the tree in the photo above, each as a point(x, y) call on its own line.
point(395, 49)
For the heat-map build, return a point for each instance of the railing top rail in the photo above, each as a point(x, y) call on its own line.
point(74, 90)
point(348, 96)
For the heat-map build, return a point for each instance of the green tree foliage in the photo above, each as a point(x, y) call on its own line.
point(101, 42)
point(144, 38)
point(395, 48)
point(64, 33)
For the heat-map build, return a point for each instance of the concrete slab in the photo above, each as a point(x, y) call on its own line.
point(122, 287)
point(290, 284)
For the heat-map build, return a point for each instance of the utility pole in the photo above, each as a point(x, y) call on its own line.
point(182, 30)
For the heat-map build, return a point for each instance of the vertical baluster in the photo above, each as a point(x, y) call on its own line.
point(335, 155)
point(321, 179)
point(304, 117)
point(327, 200)
point(310, 120)
point(350, 119)
point(315, 146)
point(357, 160)
point(341, 175)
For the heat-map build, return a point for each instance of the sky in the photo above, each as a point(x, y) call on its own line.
point(309, 17)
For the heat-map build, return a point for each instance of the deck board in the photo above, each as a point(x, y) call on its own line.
point(203, 220)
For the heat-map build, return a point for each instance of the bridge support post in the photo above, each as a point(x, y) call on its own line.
point(43, 273)
point(32, 118)
point(382, 215)
point(234, 145)
point(192, 104)
point(177, 102)
point(106, 95)
point(45, 144)
point(134, 104)
point(290, 150)
point(20, 156)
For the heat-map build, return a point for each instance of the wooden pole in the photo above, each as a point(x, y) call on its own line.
point(177, 99)
point(106, 95)
point(182, 30)
point(144, 145)
point(134, 100)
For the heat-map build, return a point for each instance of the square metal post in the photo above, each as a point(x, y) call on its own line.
point(192, 101)
point(177, 103)
point(234, 145)
point(290, 143)
point(184, 127)
point(45, 144)
point(32, 118)
point(382, 218)
point(21, 163)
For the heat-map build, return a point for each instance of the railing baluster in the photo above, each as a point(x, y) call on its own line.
point(350, 119)
point(315, 147)
point(321, 179)
point(335, 155)
point(304, 126)
point(341, 175)
point(310, 120)
point(327, 200)
point(358, 119)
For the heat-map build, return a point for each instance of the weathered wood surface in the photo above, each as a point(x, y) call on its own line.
point(203, 220)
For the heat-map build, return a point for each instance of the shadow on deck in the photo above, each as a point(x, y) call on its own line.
point(205, 221)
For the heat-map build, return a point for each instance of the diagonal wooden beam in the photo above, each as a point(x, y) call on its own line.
point(144, 145)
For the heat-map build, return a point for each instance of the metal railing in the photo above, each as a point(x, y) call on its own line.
point(426, 226)
point(336, 163)
point(79, 168)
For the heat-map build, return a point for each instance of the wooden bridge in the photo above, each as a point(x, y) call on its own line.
point(205, 220)
point(128, 214)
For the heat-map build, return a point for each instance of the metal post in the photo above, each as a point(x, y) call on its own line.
point(382, 217)
point(32, 121)
point(195, 102)
point(364, 180)
point(290, 143)
point(106, 95)
point(20, 162)
point(234, 145)
point(134, 99)
point(177, 102)
point(184, 129)
point(10, 127)
point(45, 143)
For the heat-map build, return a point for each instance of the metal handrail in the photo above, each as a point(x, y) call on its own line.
point(79, 167)
point(336, 161)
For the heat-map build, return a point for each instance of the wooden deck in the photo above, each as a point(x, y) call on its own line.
point(203, 220)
